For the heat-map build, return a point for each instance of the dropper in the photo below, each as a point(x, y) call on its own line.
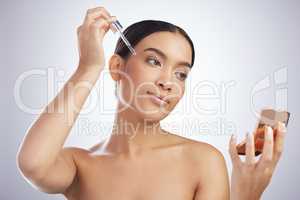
point(118, 27)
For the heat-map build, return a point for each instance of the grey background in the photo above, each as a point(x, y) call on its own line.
point(240, 41)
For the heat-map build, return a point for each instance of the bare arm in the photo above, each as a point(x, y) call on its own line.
point(214, 184)
point(41, 151)
point(41, 157)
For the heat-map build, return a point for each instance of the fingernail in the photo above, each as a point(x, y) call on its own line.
point(282, 127)
point(269, 132)
point(266, 128)
point(113, 18)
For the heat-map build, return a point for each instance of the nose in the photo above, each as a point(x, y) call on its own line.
point(165, 85)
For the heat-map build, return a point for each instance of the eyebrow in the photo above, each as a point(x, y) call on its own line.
point(162, 54)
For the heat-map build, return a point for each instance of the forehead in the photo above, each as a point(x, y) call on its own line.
point(174, 45)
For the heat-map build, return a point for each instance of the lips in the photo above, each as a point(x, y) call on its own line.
point(159, 98)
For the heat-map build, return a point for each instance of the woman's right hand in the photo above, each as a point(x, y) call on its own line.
point(90, 38)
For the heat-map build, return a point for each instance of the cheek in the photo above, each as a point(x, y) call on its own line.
point(141, 75)
point(177, 95)
point(133, 80)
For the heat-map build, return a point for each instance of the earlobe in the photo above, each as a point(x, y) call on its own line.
point(116, 65)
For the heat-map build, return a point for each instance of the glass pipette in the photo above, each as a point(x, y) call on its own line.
point(118, 27)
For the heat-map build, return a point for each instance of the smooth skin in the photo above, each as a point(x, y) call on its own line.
point(144, 163)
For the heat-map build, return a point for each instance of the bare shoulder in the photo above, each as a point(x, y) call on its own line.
point(207, 165)
point(206, 153)
point(205, 150)
point(77, 151)
point(198, 150)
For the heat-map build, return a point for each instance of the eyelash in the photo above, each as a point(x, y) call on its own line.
point(157, 62)
point(184, 74)
point(152, 58)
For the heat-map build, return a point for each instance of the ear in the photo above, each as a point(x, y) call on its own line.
point(116, 64)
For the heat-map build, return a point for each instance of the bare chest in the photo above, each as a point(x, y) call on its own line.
point(143, 179)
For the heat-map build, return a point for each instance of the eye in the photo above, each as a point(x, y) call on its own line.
point(153, 61)
point(181, 76)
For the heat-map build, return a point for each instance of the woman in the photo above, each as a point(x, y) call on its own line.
point(139, 160)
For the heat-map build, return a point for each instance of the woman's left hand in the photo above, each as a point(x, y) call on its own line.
point(250, 178)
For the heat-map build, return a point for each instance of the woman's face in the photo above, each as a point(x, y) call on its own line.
point(159, 69)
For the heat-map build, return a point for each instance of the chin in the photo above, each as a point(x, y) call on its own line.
point(156, 117)
point(151, 113)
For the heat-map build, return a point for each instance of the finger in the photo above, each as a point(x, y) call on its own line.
point(259, 144)
point(260, 132)
point(94, 13)
point(235, 158)
point(250, 149)
point(79, 29)
point(112, 19)
point(267, 154)
point(97, 10)
point(103, 9)
point(93, 17)
point(279, 140)
point(99, 28)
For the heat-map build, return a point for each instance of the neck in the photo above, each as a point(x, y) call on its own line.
point(132, 134)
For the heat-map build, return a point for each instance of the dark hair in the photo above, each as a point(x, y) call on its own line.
point(139, 30)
